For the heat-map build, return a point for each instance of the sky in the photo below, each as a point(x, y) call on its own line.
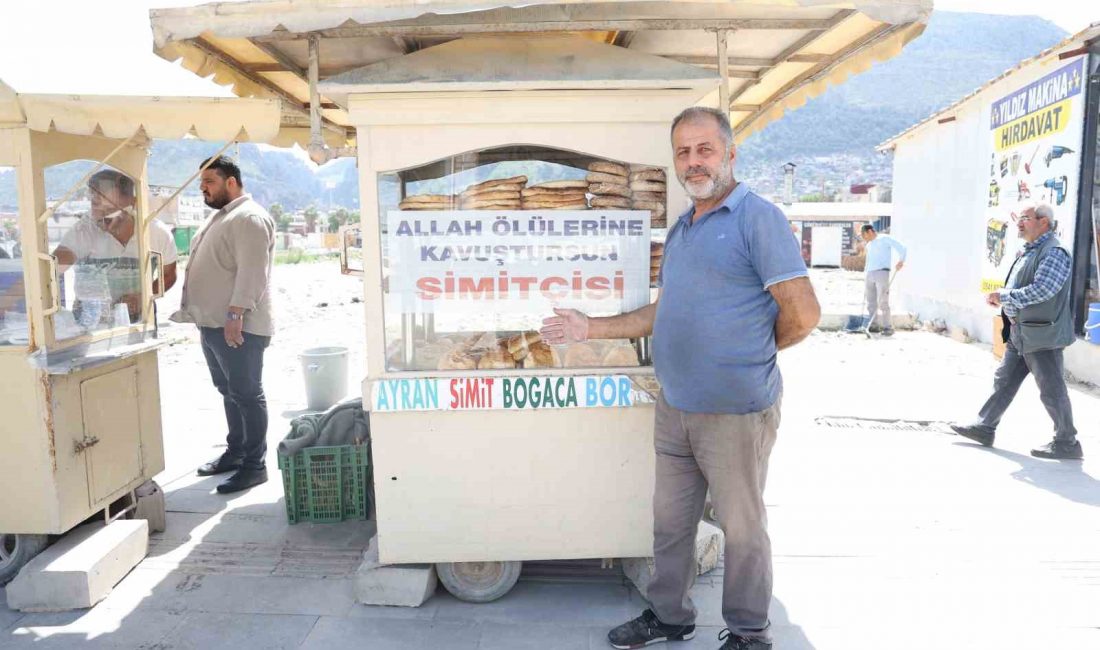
point(80, 47)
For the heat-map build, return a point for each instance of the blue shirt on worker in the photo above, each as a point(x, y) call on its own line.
point(714, 334)
point(879, 253)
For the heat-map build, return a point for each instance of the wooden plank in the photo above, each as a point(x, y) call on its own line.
point(736, 74)
point(752, 62)
point(455, 25)
point(723, 72)
point(211, 50)
point(799, 45)
point(289, 101)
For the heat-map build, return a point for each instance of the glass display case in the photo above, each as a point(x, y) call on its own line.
point(478, 249)
point(93, 245)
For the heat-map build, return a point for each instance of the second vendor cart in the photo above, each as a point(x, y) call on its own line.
point(79, 384)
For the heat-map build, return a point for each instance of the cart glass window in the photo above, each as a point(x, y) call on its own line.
point(92, 236)
point(478, 249)
point(13, 304)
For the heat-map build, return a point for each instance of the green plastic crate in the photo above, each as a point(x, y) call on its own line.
point(326, 484)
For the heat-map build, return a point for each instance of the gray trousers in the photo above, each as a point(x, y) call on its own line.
point(1047, 366)
point(728, 453)
point(876, 291)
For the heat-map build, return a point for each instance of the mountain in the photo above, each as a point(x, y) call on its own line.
point(831, 138)
point(271, 175)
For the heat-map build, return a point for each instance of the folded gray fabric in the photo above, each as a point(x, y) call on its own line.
point(344, 424)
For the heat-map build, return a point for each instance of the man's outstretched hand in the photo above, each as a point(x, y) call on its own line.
point(567, 326)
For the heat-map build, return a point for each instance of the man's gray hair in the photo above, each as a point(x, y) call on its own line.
point(693, 113)
point(1041, 210)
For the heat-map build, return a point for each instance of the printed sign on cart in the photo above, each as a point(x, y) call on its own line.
point(1033, 155)
point(489, 264)
point(505, 393)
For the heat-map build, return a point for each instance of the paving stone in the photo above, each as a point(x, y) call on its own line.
point(533, 636)
point(207, 501)
point(562, 603)
point(8, 616)
point(202, 630)
point(355, 634)
point(262, 595)
point(96, 628)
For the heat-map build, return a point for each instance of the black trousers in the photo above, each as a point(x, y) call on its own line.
point(238, 375)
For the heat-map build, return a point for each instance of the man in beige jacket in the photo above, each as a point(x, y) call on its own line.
point(226, 293)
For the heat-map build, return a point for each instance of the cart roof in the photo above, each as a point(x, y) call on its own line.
point(781, 52)
point(1084, 38)
point(208, 118)
point(490, 63)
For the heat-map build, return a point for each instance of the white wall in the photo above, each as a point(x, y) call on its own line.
point(941, 193)
point(939, 207)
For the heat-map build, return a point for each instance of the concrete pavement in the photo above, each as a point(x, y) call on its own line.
point(886, 534)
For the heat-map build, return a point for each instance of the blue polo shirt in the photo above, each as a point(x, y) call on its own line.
point(714, 334)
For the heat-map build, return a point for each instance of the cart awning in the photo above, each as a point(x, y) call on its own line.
point(207, 118)
point(780, 52)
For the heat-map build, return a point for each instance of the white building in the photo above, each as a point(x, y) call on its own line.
point(837, 226)
point(961, 176)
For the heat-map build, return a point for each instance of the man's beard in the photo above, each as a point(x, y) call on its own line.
point(716, 184)
point(217, 201)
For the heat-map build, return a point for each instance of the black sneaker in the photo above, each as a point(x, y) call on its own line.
point(975, 433)
point(734, 642)
point(647, 630)
point(1059, 450)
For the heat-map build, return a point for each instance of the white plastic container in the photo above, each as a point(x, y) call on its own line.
point(326, 375)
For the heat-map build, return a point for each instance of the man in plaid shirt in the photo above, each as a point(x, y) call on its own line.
point(1038, 325)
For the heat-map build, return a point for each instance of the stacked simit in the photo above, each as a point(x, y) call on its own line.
point(428, 202)
point(556, 195)
point(648, 192)
point(499, 194)
point(609, 184)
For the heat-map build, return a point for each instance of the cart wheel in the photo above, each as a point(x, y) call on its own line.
point(15, 551)
point(478, 582)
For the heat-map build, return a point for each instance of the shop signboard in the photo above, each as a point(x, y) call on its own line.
point(491, 265)
point(1034, 155)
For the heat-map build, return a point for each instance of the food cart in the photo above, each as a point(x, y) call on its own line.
point(513, 160)
point(78, 367)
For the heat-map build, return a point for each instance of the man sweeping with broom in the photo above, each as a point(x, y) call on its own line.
point(879, 250)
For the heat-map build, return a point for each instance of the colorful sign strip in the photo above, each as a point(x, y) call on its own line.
point(506, 393)
point(1037, 110)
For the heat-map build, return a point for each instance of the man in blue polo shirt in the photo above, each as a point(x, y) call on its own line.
point(733, 292)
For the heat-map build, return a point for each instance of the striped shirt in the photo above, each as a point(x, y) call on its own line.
point(1053, 272)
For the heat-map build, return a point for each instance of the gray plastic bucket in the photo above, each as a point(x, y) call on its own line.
point(326, 373)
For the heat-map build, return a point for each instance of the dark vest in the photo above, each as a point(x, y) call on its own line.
point(1047, 325)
